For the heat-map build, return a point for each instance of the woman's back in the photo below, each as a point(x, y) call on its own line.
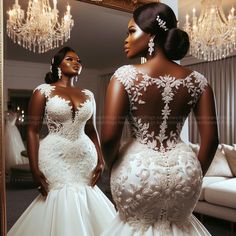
point(159, 106)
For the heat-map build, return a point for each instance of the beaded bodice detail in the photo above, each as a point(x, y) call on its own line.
point(60, 116)
point(172, 94)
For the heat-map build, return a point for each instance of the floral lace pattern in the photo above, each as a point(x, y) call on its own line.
point(66, 155)
point(152, 188)
point(157, 180)
point(128, 76)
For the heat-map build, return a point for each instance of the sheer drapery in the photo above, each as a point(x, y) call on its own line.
point(221, 76)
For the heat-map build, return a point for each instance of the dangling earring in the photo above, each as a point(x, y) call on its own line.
point(80, 69)
point(151, 46)
point(59, 72)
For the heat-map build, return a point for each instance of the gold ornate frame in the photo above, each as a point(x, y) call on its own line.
point(2, 159)
point(126, 5)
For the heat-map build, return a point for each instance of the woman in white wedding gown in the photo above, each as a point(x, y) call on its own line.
point(156, 178)
point(13, 141)
point(68, 162)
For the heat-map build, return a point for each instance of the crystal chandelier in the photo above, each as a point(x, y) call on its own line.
point(212, 36)
point(40, 30)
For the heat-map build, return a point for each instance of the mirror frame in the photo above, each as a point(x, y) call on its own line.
point(2, 159)
point(127, 6)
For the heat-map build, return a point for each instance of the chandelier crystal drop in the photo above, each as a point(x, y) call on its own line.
point(212, 35)
point(39, 30)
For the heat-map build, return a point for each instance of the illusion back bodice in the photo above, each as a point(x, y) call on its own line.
point(159, 106)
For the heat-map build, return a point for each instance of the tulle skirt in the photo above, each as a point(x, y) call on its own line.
point(69, 211)
point(13, 147)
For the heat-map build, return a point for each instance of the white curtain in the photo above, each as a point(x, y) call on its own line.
point(221, 76)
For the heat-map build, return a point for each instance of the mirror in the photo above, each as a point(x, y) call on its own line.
point(98, 41)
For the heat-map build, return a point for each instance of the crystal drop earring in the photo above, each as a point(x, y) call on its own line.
point(59, 72)
point(151, 46)
point(80, 69)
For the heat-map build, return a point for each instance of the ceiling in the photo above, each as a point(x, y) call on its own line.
point(97, 36)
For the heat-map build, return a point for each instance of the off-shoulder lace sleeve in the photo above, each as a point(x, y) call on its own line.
point(45, 89)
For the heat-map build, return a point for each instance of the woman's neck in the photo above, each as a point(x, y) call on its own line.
point(64, 82)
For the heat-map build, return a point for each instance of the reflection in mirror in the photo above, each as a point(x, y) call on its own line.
point(99, 43)
point(2, 160)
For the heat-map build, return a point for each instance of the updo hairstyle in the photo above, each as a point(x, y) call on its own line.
point(173, 41)
point(52, 76)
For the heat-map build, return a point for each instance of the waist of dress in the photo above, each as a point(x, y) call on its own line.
point(162, 225)
point(74, 137)
point(69, 185)
point(162, 147)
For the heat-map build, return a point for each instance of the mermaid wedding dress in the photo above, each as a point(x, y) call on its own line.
point(67, 158)
point(156, 181)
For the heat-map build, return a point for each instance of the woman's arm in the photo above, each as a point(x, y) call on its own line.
point(207, 124)
point(116, 110)
point(35, 115)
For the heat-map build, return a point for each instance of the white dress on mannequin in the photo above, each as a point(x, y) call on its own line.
point(13, 142)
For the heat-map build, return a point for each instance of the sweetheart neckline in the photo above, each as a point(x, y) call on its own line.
point(74, 109)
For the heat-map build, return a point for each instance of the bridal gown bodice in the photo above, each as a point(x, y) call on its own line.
point(11, 118)
point(66, 155)
point(156, 180)
point(67, 158)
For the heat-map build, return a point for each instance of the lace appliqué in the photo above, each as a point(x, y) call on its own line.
point(67, 156)
point(150, 190)
point(45, 89)
point(61, 120)
point(127, 75)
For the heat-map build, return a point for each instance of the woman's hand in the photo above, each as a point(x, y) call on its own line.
point(97, 173)
point(41, 181)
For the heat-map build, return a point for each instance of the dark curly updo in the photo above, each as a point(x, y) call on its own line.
point(173, 41)
point(52, 76)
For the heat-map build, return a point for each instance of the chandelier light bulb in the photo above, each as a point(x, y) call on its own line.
point(212, 35)
point(41, 30)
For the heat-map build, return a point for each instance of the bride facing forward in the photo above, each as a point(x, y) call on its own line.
point(156, 178)
point(68, 162)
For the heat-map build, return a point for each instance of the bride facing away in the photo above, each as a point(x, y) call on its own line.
point(155, 177)
point(68, 162)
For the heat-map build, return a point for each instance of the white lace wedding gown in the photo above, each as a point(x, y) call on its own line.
point(157, 179)
point(13, 142)
point(67, 158)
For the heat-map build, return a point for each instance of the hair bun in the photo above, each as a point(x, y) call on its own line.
point(177, 44)
point(49, 78)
